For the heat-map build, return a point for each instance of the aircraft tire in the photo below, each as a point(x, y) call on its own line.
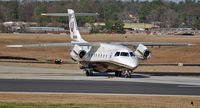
point(89, 73)
point(126, 76)
point(118, 74)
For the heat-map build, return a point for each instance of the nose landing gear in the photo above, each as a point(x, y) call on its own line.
point(127, 73)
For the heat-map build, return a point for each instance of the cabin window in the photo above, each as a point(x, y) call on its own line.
point(132, 54)
point(124, 54)
point(117, 53)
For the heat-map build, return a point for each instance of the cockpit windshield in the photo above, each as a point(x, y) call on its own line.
point(124, 54)
point(117, 53)
point(132, 54)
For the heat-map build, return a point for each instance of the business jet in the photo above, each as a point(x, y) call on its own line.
point(102, 56)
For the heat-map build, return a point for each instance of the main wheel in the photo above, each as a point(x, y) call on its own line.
point(89, 73)
point(118, 74)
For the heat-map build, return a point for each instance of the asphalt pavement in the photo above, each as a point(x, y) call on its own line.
point(28, 79)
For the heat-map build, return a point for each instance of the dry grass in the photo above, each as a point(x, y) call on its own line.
point(163, 55)
point(166, 101)
point(184, 54)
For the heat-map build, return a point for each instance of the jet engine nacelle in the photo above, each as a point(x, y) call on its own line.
point(82, 54)
point(79, 53)
point(143, 52)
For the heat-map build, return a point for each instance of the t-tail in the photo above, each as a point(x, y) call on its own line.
point(73, 27)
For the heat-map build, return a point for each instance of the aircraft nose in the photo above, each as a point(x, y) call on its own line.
point(134, 63)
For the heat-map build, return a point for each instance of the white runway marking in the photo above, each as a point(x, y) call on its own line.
point(190, 86)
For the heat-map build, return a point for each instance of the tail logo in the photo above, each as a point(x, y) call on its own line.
point(72, 26)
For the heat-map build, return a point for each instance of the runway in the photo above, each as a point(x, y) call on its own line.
point(107, 87)
point(26, 79)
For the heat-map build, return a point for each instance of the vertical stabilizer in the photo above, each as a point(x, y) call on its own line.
point(73, 28)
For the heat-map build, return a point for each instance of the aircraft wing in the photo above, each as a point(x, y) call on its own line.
point(56, 44)
point(150, 44)
point(98, 44)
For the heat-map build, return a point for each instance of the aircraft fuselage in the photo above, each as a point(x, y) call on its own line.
point(106, 57)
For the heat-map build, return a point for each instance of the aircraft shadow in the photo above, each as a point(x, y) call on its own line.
point(169, 73)
point(16, 58)
point(113, 75)
point(37, 62)
point(28, 60)
point(168, 64)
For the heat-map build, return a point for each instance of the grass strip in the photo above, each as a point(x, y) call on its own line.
point(31, 105)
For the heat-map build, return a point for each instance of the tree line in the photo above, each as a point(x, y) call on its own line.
point(168, 14)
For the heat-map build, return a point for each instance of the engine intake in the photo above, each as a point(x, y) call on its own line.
point(82, 54)
point(143, 52)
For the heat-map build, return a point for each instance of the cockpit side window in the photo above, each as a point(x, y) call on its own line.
point(124, 54)
point(132, 54)
point(117, 53)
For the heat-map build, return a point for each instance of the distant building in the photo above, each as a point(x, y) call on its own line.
point(19, 23)
point(55, 30)
point(137, 26)
point(95, 24)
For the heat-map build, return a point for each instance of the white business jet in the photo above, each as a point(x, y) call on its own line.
point(102, 56)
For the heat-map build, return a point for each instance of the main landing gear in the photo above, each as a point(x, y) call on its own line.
point(88, 72)
point(118, 74)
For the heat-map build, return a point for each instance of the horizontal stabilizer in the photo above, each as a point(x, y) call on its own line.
point(67, 14)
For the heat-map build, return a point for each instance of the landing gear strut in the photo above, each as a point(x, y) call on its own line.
point(118, 74)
